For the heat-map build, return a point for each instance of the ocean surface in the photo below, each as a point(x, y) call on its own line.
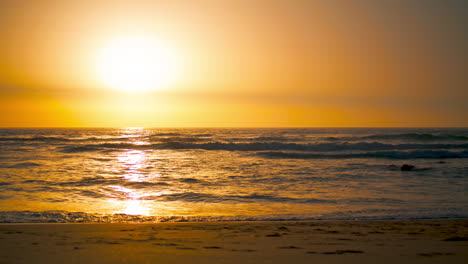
point(152, 175)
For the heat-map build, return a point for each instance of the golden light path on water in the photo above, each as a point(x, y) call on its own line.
point(137, 167)
point(132, 162)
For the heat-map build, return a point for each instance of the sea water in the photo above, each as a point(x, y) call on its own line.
point(140, 175)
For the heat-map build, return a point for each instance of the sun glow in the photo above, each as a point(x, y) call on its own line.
point(137, 63)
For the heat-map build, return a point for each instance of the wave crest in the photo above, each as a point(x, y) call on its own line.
point(404, 136)
point(262, 146)
point(419, 154)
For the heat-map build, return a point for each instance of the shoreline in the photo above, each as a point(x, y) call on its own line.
point(247, 221)
point(322, 241)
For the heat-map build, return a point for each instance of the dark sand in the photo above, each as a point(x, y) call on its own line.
point(431, 241)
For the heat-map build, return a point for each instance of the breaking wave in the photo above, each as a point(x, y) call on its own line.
point(370, 214)
point(44, 139)
point(420, 154)
point(21, 165)
point(263, 136)
point(404, 136)
point(204, 197)
point(262, 146)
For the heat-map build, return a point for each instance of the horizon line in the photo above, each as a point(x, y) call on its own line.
point(215, 127)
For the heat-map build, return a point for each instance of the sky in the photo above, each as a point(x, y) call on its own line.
point(240, 63)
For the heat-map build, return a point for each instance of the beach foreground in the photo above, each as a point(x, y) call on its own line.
point(422, 241)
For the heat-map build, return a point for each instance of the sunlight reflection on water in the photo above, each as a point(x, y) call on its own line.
point(232, 172)
point(132, 162)
point(136, 207)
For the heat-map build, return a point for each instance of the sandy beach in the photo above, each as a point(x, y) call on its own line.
point(422, 241)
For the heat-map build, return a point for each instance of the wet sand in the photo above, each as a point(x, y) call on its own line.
point(422, 241)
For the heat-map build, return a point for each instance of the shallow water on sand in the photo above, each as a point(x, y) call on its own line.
point(49, 175)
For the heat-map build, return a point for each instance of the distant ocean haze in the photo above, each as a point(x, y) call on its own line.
point(126, 175)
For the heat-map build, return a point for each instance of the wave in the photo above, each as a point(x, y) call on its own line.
point(21, 165)
point(97, 181)
point(273, 138)
point(167, 134)
point(78, 149)
point(40, 138)
point(404, 136)
point(370, 214)
point(63, 139)
point(252, 198)
point(186, 139)
point(262, 146)
point(419, 154)
point(162, 137)
point(176, 134)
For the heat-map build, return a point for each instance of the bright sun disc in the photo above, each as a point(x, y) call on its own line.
point(137, 63)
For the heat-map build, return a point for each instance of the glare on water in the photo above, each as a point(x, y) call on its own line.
point(131, 162)
point(229, 173)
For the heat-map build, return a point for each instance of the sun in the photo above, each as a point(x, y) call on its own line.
point(137, 63)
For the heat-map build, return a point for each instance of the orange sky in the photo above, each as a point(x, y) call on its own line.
point(264, 63)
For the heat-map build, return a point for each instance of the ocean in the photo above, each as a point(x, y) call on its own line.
point(159, 175)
